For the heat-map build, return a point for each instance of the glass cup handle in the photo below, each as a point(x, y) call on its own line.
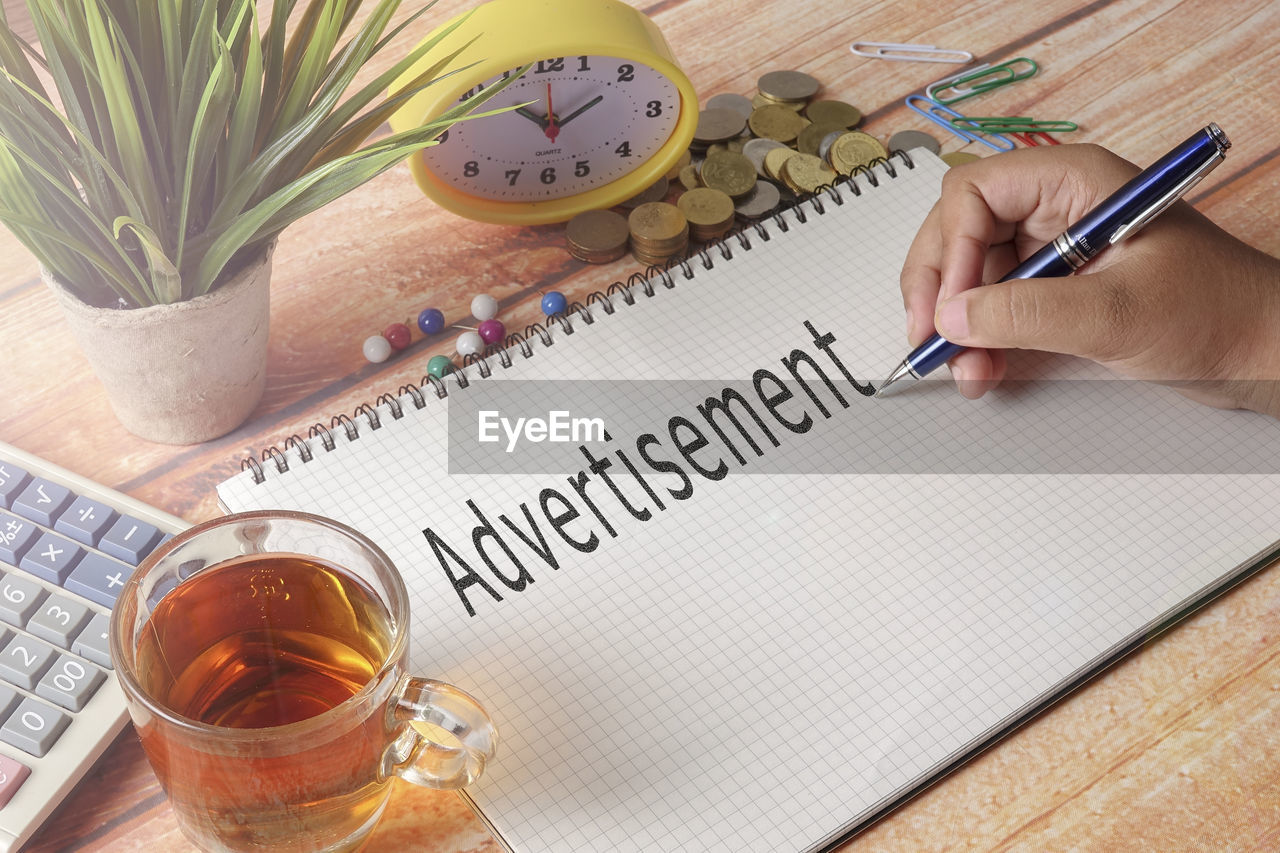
point(445, 737)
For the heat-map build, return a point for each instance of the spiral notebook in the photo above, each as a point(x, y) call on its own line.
point(702, 633)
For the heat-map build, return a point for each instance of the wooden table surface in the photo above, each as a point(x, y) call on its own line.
point(1178, 748)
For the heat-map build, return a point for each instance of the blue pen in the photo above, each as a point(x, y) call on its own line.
point(1121, 215)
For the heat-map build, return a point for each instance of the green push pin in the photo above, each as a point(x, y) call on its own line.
point(439, 365)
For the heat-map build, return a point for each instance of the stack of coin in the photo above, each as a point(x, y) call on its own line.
point(749, 155)
point(597, 236)
point(659, 232)
point(792, 89)
point(709, 212)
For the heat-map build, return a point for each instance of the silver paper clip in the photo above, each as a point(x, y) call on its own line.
point(909, 52)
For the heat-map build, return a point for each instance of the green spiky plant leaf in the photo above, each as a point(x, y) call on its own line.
point(179, 137)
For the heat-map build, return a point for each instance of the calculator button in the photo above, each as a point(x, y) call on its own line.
point(16, 536)
point(24, 660)
point(12, 479)
point(92, 642)
point(52, 557)
point(58, 619)
point(98, 579)
point(8, 698)
point(33, 727)
point(41, 501)
point(70, 683)
point(85, 521)
point(19, 598)
point(129, 540)
point(12, 775)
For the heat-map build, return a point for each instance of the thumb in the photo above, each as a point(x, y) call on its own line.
point(1093, 316)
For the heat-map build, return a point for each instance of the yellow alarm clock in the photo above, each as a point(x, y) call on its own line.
point(607, 111)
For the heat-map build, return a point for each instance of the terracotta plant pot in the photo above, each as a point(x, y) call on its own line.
point(181, 373)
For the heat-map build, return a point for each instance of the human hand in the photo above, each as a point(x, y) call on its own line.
point(1181, 303)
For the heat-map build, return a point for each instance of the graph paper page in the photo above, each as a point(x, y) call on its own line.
point(756, 665)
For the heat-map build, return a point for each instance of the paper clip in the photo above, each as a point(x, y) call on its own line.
point(1011, 124)
point(1035, 138)
point(938, 84)
point(909, 52)
point(942, 116)
point(983, 80)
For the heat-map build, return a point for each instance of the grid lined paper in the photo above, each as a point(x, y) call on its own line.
point(758, 666)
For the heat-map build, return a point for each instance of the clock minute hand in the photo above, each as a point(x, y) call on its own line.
point(580, 110)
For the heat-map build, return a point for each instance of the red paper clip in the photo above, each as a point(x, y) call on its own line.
point(1031, 137)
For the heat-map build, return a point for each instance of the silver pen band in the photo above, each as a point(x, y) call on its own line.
point(1070, 251)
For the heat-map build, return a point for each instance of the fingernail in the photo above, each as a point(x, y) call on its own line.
point(952, 319)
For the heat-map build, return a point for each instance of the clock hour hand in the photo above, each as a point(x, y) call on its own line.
point(531, 116)
point(580, 110)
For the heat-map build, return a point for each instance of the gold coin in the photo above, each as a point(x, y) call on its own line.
point(956, 158)
point(597, 236)
point(709, 212)
point(759, 100)
point(810, 139)
point(807, 173)
point(834, 113)
point(776, 122)
point(774, 160)
point(788, 85)
point(689, 177)
point(732, 174)
point(854, 149)
point(658, 226)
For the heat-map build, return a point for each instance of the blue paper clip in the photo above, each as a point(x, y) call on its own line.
point(942, 115)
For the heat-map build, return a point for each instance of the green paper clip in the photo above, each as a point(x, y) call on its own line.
point(983, 80)
point(1012, 124)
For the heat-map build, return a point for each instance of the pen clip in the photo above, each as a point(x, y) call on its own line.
point(1159, 205)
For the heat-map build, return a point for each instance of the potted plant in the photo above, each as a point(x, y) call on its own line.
point(177, 140)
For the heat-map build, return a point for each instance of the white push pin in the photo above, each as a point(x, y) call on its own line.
point(468, 343)
point(484, 307)
point(377, 348)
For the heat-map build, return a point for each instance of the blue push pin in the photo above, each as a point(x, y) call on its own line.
point(431, 321)
point(554, 303)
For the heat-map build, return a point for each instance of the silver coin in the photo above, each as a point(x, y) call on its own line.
point(718, 125)
point(730, 101)
point(905, 140)
point(825, 145)
point(755, 151)
point(761, 201)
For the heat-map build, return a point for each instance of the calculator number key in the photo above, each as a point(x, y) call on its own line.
point(19, 597)
point(24, 660)
point(70, 683)
point(33, 727)
point(58, 619)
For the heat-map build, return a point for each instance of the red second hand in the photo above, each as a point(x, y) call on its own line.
point(552, 130)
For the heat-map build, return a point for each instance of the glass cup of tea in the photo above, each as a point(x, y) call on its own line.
point(263, 660)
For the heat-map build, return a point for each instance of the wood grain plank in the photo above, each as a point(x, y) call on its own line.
point(1169, 751)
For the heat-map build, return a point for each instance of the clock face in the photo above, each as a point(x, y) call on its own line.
point(589, 120)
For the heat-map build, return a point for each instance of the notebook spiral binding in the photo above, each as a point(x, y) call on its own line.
point(519, 345)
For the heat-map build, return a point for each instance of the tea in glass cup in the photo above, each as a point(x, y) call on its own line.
point(262, 656)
